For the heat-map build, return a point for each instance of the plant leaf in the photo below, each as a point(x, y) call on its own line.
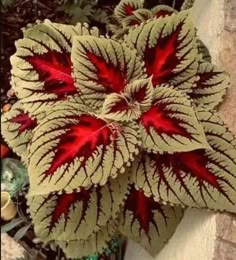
point(148, 222)
point(211, 86)
point(17, 128)
point(127, 106)
point(162, 11)
point(11, 225)
point(169, 49)
point(107, 67)
point(141, 92)
point(200, 178)
point(137, 18)
point(126, 8)
point(41, 71)
point(94, 245)
point(202, 48)
point(143, 14)
point(73, 149)
point(77, 215)
point(117, 107)
point(22, 232)
point(171, 125)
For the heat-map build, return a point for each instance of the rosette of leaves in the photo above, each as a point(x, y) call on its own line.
point(129, 134)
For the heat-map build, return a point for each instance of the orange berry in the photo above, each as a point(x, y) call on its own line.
point(6, 107)
point(4, 151)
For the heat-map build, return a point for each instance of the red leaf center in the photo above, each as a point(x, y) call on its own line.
point(161, 59)
point(81, 140)
point(54, 70)
point(108, 75)
point(140, 94)
point(162, 13)
point(158, 118)
point(65, 201)
point(25, 122)
point(194, 162)
point(121, 105)
point(128, 9)
point(142, 207)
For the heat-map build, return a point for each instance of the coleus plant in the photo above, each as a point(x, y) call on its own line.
point(119, 136)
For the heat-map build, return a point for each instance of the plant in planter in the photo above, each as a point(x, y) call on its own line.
point(119, 136)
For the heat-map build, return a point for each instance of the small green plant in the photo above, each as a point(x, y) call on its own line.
point(85, 11)
point(119, 135)
point(14, 177)
point(6, 3)
point(20, 225)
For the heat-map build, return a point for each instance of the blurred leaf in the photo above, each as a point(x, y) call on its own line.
point(21, 232)
point(11, 225)
point(6, 3)
point(101, 16)
point(14, 176)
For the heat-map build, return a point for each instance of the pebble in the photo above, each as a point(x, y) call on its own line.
point(10, 93)
point(37, 240)
point(4, 151)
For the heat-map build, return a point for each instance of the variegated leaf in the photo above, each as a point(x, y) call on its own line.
point(103, 66)
point(117, 31)
point(137, 18)
point(211, 86)
point(41, 66)
point(119, 107)
point(169, 49)
point(203, 50)
point(162, 11)
point(140, 93)
point(77, 215)
point(171, 125)
point(200, 178)
point(127, 106)
point(148, 222)
point(143, 14)
point(17, 128)
point(94, 245)
point(126, 8)
point(71, 149)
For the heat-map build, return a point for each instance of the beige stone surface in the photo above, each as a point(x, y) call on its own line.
point(226, 228)
point(227, 57)
point(225, 245)
point(10, 249)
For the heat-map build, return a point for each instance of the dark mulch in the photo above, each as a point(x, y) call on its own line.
point(13, 19)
